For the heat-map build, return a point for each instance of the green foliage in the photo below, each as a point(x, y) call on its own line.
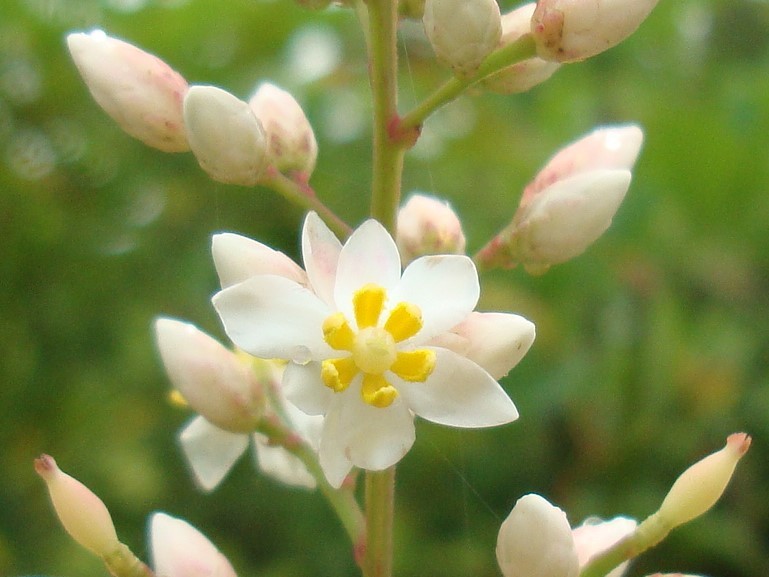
point(651, 348)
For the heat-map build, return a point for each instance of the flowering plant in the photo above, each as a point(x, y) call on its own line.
point(332, 362)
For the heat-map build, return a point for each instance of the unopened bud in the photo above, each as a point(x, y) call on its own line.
point(701, 485)
point(180, 550)
point(291, 144)
point(595, 536)
point(238, 258)
point(212, 379)
point(225, 135)
point(83, 515)
point(526, 74)
point(535, 541)
point(138, 90)
point(572, 30)
point(462, 32)
point(427, 225)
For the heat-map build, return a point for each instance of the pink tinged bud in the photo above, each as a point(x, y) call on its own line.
point(701, 485)
point(572, 30)
point(212, 379)
point(462, 32)
point(291, 144)
point(595, 536)
point(238, 258)
point(535, 541)
point(138, 90)
point(180, 550)
point(526, 74)
point(83, 515)
point(427, 225)
point(567, 217)
point(225, 136)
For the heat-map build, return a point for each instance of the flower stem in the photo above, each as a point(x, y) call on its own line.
point(383, 77)
point(299, 192)
point(509, 54)
point(380, 497)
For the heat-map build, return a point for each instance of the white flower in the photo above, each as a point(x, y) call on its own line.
point(595, 536)
point(180, 550)
point(360, 340)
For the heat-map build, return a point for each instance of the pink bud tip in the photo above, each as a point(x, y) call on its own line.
point(740, 442)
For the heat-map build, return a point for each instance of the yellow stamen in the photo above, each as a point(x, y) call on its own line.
point(405, 321)
point(367, 303)
point(377, 392)
point(414, 366)
point(177, 399)
point(338, 333)
point(337, 374)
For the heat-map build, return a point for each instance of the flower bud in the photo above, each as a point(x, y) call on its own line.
point(535, 541)
point(138, 90)
point(238, 258)
point(595, 536)
point(427, 225)
point(524, 75)
point(572, 30)
point(83, 515)
point(291, 144)
point(462, 32)
point(180, 550)
point(225, 135)
point(211, 378)
point(701, 485)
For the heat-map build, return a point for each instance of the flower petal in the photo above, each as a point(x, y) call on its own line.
point(595, 536)
point(303, 386)
point(273, 317)
point(369, 256)
point(371, 438)
point(238, 258)
point(458, 393)
point(180, 550)
point(210, 451)
point(444, 287)
point(320, 250)
point(495, 341)
point(281, 465)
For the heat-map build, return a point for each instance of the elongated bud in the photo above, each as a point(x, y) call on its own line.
point(572, 30)
point(212, 379)
point(138, 90)
point(225, 135)
point(526, 74)
point(701, 485)
point(291, 145)
point(535, 541)
point(83, 515)
point(238, 258)
point(427, 225)
point(180, 550)
point(462, 32)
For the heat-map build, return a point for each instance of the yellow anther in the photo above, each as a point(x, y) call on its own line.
point(338, 333)
point(404, 321)
point(177, 399)
point(377, 392)
point(414, 366)
point(337, 374)
point(367, 303)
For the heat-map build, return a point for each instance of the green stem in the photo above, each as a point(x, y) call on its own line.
point(341, 500)
point(299, 192)
point(380, 496)
point(646, 535)
point(383, 69)
point(521, 49)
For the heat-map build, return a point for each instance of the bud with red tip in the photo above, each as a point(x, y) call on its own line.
point(427, 225)
point(138, 90)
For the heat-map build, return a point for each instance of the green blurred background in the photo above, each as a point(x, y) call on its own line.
point(651, 348)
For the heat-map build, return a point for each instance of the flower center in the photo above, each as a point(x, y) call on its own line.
point(374, 348)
